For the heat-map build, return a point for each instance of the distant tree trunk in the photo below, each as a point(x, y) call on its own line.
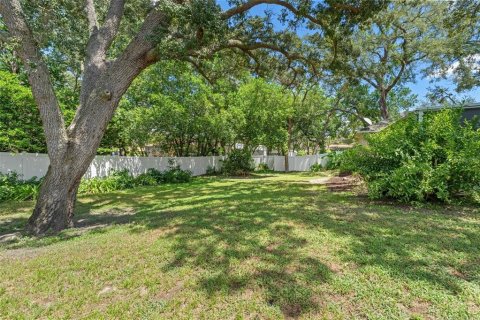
point(383, 104)
point(289, 143)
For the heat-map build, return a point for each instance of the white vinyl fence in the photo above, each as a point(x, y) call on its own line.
point(30, 165)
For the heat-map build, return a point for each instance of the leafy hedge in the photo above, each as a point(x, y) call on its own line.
point(13, 188)
point(436, 159)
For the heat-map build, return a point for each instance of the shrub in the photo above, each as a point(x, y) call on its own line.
point(120, 180)
point(238, 163)
point(117, 180)
point(212, 171)
point(316, 167)
point(174, 174)
point(263, 167)
point(436, 159)
point(14, 188)
point(146, 179)
point(333, 160)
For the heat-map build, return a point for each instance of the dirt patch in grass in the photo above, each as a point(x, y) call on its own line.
point(171, 292)
point(339, 184)
point(22, 253)
point(291, 310)
point(420, 308)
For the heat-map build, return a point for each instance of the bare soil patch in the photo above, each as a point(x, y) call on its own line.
point(339, 183)
point(346, 183)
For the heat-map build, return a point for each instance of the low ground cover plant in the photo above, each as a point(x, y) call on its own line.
point(316, 167)
point(434, 159)
point(12, 187)
point(263, 168)
point(123, 179)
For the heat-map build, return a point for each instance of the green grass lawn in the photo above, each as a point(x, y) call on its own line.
point(270, 247)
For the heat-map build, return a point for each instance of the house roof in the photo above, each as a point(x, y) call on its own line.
point(376, 127)
point(474, 105)
point(379, 126)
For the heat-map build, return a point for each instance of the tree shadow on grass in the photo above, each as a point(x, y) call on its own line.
point(413, 243)
point(242, 235)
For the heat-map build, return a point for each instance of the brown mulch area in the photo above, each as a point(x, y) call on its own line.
point(342, 183)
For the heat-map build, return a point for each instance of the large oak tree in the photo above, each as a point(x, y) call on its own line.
point(107, 45)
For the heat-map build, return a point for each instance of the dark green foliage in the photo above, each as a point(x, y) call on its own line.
point(263, 168)
point(211, 171)
point(333, 160)
point(120, 180)
point(436, 159)
point(13, 188)
point(117, 180)
point(20, 125)
point(174, 174)
point(316, 167)
point(238, 163)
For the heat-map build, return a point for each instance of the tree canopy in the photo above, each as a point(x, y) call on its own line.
point(205, 76)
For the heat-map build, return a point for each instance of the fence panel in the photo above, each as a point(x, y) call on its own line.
point(30, 164)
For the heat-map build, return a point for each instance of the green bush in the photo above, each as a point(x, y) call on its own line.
point(333, 160)
point(174, 174)
point(116, 180)
point(263, 167)
point(436, 159)
point(238, 163)
point(212, 171)
point(13, 188)
point(316, 167)
point(120, 180)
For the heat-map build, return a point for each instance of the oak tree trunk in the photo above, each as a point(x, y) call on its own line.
point(56, 201)
point(55, 205)
point(383, 105)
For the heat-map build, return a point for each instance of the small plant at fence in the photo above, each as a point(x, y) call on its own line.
point(238, 163)
point(263, 168)
point(14, 188)
point(333, 160)
point(316, 167)
point(212, 171)
point(120, 180)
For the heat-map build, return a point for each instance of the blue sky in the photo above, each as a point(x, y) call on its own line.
point(419, 87)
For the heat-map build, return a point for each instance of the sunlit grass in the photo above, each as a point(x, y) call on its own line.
point(269, 247)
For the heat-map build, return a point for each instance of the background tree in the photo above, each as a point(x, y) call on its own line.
point(260, 112)
point(386, 48)
point(460, 59)
point(20, 125)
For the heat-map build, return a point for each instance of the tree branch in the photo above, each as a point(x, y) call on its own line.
point(98, 44)
point(199, 69)
point(117, 77)
point(91, 16)
point(109, 29)
point(252, 3)
point(234, 43)
point(38, 77)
